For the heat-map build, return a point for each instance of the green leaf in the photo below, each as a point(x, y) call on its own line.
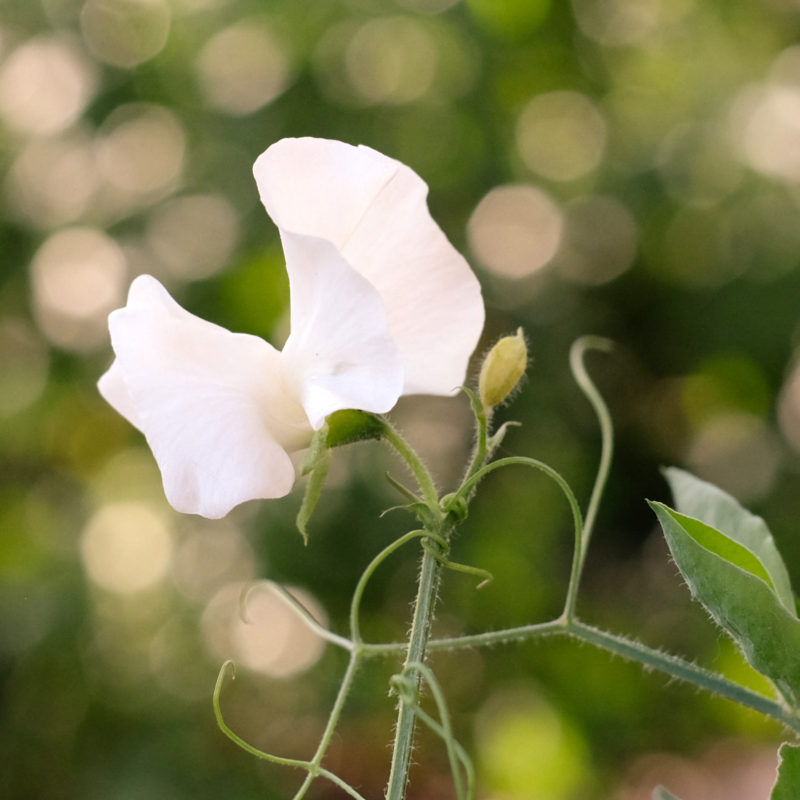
point(341, 427)
point(316, 462)
point(787, 786)
point(703, 501)
point(724, 547)
point(660, 793)
point(734, 586)
point(316, 450)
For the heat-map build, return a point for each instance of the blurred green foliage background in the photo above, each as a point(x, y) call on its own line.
point(623, 167)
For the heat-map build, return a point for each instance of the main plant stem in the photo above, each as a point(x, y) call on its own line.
point(427, 587)
point(417, 645)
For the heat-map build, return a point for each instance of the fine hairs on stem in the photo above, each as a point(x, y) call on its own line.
point(437, 517)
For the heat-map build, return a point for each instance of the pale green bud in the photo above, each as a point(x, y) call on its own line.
point(502, 369)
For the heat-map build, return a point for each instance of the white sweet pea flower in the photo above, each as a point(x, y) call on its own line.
point(382, 305)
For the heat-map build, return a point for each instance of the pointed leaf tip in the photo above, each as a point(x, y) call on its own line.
point(316, 481)
point(704, 501)
point(728, 579)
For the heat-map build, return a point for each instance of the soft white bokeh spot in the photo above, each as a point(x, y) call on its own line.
point(769, 130)
point(561, 135)
point(256, 629)
point(210, 556)
point(391, 60)
point(126, 547)
point(141, 153)
point(52, 181)
point(242, 68)
point(125, 33)
point(737, 452)
point(78, 276)
point(698, 165)
point(45, 85)
point(515, 230)
point(599, 241)
point(617, 22)
point(193, 236)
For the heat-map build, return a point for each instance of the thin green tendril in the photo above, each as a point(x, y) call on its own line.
point(443, 728)
point(587, 386)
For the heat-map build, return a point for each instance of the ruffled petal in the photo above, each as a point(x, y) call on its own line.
point(113, 389)
point(374, 210)
point(211, 403)
point(340, 353)
point(320, 187)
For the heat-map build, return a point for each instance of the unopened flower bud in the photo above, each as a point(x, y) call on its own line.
point(502, 369)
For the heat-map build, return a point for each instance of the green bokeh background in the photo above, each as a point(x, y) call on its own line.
point(654, 144)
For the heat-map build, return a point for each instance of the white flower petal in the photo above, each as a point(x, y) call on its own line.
point(211, 403)
point(373, 209)
point(340, 353)
point(113, 389)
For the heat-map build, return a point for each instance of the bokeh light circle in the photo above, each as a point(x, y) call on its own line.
point(515, 230)
point(78, 277)
point(561, 135)
point(616, 22)
point(193, 236)
point(141, 153)
point(391, 60)
point(258, 630)
point(45, 85)
point(52, 181)
point(126, 547)
point(242, 68)
point(125, 33)
point(599, 241)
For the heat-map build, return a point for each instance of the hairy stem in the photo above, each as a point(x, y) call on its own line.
point(629, 649)
point(682, 670)
point(417, 645)
point(418, 469)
